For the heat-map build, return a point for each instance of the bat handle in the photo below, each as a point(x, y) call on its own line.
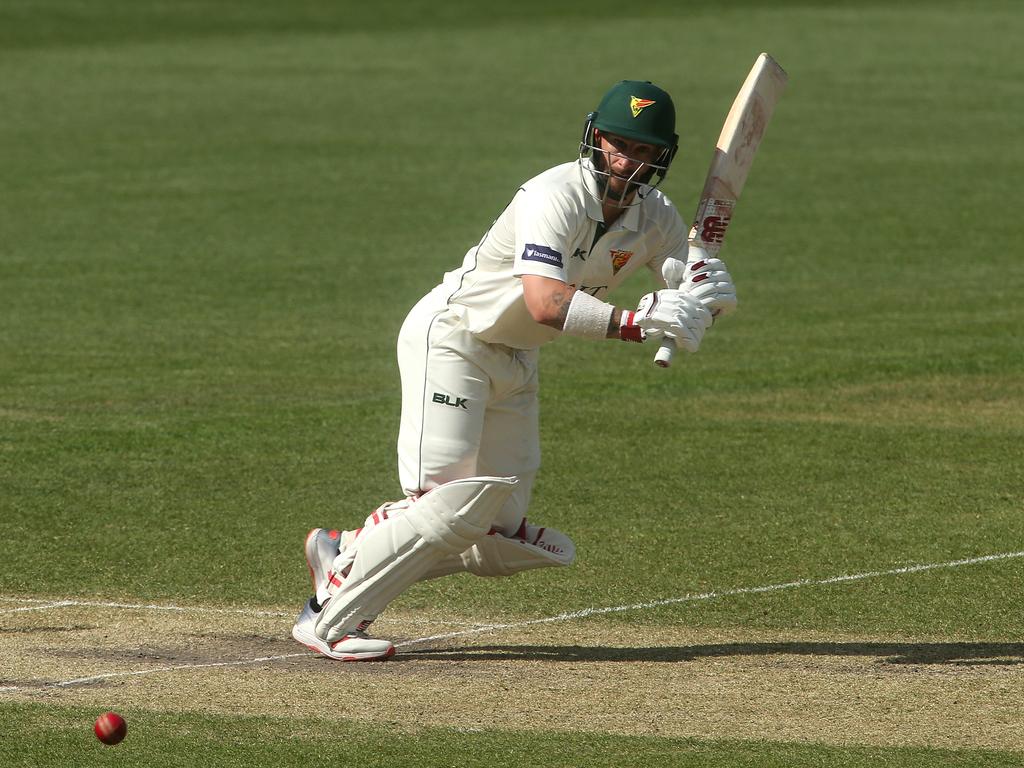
point(663, 359)
point(673, 270)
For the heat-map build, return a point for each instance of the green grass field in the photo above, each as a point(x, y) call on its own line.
point(214, 218)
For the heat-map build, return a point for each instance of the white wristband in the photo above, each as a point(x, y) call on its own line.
point(588, 317)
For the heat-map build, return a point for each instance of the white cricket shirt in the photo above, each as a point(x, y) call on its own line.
point(554, 228)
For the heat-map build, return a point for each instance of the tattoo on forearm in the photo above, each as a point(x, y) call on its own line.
point(559, 302)
point(613, 324)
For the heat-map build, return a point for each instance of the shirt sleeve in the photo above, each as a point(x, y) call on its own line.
point(543, 233)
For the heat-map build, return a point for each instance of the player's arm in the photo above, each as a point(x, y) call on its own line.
point(665, 313)
point(548, 301)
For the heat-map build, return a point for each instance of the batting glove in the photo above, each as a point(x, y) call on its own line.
point(708, 281)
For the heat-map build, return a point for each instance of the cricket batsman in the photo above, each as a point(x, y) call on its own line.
point(468, 444)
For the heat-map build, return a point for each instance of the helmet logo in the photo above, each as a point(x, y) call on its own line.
point(637, 105)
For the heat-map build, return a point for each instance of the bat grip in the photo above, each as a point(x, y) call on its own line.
point(663, 359)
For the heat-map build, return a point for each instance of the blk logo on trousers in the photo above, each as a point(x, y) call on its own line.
point(457, 402)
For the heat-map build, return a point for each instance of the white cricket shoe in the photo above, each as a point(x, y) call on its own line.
point(355, 646)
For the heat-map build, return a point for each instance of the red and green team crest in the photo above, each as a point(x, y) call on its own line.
point(636, 105)
point(619, 260)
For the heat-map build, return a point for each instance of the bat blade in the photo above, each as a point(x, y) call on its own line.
point(741, 135)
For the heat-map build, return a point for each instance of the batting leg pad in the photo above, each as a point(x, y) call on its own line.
point(395, 554)
point(497, 555)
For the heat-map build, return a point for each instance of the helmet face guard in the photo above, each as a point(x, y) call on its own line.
point(647, 176)
point(639, 111)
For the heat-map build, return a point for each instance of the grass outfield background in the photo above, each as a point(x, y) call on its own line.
point(215, 216)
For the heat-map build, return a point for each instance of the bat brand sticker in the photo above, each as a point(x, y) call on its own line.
point(713, 219)
point(713, 229)
point(637, 106)
point(619, 260)
point(543, 254)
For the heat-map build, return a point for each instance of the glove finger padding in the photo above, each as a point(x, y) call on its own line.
point(716, 292)
point(686, 338)
point(708, 281)
point(704, 264)
point(674, 314)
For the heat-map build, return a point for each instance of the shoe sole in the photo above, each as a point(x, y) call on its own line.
point(311, 557)
point(317, 645)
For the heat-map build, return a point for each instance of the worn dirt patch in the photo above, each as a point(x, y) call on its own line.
point(572, 676)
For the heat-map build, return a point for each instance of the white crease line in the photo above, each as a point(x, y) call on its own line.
point(140, 672)
point(44, 604)
point(574, 615)
point(23, 600)
point(43, 607)
point(712, 595)
point(40, 605)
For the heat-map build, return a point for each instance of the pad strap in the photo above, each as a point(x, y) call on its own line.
point(497, 555)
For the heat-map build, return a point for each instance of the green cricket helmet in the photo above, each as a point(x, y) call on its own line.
point(636, 110)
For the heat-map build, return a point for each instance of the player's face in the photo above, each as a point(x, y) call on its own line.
point(627, 161)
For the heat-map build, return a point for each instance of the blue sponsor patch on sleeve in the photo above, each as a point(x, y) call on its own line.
point(543, 254)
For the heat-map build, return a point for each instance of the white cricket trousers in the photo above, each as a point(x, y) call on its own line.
point(469, 408)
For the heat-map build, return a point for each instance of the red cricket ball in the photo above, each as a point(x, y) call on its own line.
point(110, 728)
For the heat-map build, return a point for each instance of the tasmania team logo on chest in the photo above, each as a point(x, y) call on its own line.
point(619, 259)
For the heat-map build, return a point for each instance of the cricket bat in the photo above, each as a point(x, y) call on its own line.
point(734, 154)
